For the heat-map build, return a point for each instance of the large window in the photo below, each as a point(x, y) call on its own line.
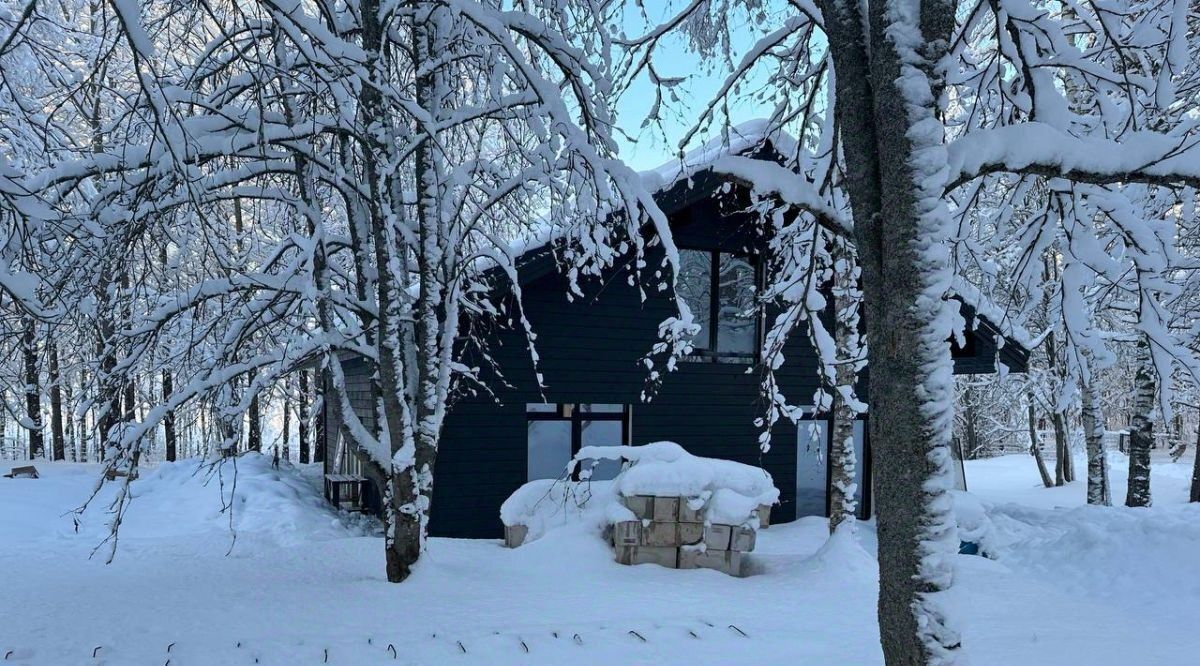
point(719, 287)
point(557, 432)
point(812, 468)
point(813, 448)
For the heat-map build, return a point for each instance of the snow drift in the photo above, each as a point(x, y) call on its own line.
point(243, 494)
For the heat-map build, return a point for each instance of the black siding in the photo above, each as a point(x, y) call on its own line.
point(591, 351)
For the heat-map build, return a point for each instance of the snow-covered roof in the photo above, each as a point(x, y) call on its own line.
point(750, 136)
point(994, 314)
point(736, 140)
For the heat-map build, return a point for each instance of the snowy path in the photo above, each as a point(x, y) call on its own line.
point(302, 583)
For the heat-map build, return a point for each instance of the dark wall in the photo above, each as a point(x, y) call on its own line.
point(591, 351)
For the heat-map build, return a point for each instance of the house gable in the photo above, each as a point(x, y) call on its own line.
point(591, 351)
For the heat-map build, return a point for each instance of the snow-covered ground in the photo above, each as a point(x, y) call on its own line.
point(303, 584)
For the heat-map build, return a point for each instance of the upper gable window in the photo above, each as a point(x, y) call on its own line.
point(719, 287)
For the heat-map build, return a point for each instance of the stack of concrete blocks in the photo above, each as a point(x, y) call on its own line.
point(764, 515)
point(670, 533)
point(514, 535)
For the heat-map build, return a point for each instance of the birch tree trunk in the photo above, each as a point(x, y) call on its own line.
point(1035, 446)
point(1093, 430)
point(1063, 470)
point(843, 462)
point(1141, 430)
point(415, 455)
point(108, 396)
point(402, 543)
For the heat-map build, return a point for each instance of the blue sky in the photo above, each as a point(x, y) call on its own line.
point(674, 59)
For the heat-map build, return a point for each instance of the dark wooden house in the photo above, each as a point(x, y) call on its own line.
point(590, 351)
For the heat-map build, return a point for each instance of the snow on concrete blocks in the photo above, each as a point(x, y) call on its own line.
point(666, 507)
point(666, 470)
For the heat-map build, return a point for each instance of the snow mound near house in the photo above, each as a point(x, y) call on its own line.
point(545, 504)
point(244, 493)
point(974, 525)
point(728, 491)
point(843, 560)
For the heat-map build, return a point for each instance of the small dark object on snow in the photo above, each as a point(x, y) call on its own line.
point(968, 548)
point(26, 472)
point(94, 651)
point(525, 647)
point(578, 639)
point(393, 649)
point(634, 633)
point(739, 631)
point(171, 645)
point(7, 655)
point(462, 647)
point(112, 474)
